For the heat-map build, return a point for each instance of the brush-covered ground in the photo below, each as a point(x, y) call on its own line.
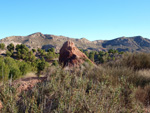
point(119, 86)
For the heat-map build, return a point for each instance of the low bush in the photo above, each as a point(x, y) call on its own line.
point(118, 86)
point(14, 69)
point(136, 61)
point(88, 89)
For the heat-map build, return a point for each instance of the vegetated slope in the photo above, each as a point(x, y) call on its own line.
point(45, 41)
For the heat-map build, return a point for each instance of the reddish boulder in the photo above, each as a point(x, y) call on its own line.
point(70, 55)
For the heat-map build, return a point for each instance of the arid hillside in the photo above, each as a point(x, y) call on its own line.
point(45, 41)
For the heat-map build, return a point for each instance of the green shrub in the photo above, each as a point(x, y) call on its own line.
point(55, 63)
point(50, 55)
point(4, 70)
point(11, 47)
point(34, 50)
point(51, 50)
point(14, 73)
point(8, 53)
point(89, 89)
point(24, 68)
point(89, 62)
point(41, 66)
point(2, 46)
point(14, 69)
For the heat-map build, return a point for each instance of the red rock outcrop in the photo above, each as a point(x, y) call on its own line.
point(70, 55)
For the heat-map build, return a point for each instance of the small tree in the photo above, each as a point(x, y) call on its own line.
point(86, 53)
point(14, 72)
point(2, 46)
point(8, 53)
point(34, 50)
point(91, 56)
point(50, 55)
point(41, 66)
point(51, 49)
point(24, 67)
point(55, 63)
point(110, 51)
point(11, 47)
point(101, 53)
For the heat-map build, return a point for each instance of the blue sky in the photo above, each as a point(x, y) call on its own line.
point(91, 19)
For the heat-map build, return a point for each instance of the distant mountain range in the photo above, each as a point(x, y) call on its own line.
point(45, 41)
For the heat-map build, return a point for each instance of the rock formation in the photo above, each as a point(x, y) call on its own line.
point(70, 55)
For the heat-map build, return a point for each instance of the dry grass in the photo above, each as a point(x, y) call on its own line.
point(145, 73)
point(143, 95)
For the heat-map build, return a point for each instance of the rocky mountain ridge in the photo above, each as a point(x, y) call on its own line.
point(45, 41)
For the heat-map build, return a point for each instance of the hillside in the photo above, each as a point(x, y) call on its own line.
point(45, 41)
point(132, 44)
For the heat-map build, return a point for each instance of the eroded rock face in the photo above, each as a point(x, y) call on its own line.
point(70, 55)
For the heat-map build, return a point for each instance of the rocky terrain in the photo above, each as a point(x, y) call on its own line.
point(70, 55)
point(45, 41)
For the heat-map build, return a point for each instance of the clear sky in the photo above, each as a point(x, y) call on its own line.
point(91, 19)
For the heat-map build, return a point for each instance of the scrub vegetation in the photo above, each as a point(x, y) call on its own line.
point(118, 84)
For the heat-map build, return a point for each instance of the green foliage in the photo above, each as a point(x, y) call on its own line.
point(10, 68)
point(41, 52)
point(14, 72)
point(112, 51)
point(8, 53)
point(30, 56)
point(4, 70)
point(91, 56)
point(103, 57)
point(89, 62)
point(2, 46)
point(41, 66)
point(109, 88)
point(81, 50)
point(136, 61)
point(121, 52)
point(11, 47)
point(89, 89)
point(50, 55)
point(51, 49)
point(24, 67)
point(100, 58)
point(21, 47)
point(86, 53)
point(34, 50)
point(55, 63)
point(101, 53)
point(24, 53)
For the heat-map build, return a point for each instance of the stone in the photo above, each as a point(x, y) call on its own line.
point(70, 55)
